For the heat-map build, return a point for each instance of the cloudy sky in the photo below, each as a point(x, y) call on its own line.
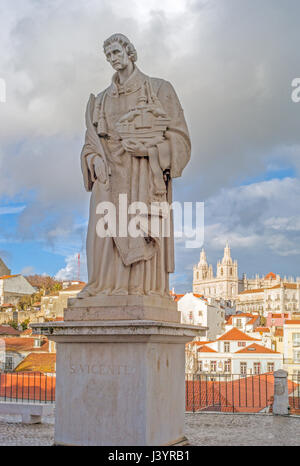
point(231, 62)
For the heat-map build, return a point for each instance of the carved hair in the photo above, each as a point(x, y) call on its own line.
point(125, 42)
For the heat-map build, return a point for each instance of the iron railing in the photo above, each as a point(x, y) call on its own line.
point(24, 387)
point(229, 392)
point(294, 396)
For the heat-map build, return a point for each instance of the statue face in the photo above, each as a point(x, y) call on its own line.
point(117, 56)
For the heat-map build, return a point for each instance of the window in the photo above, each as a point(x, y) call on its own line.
point(239, 323)
point(228, 365)
point(38, 343)
point(226, 347)
point(270, 367)
point(296, 376)
point(191, 315)
point(243, 368)
point(200, 366)
point(241, 343)
point(296, 356)
point(256, 367)
point(9, 363)
point(200, 313)
point(296, 339)
point(213, 366)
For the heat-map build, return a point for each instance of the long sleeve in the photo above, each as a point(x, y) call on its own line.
point(92, 147)
point(176, 151)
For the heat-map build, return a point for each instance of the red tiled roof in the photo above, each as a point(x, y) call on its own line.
point(291, 286)
point(253, 320)
point(243, 314)
point(292, 321)
point(38, 362)
point(76, 287)
point(255, 348)
point(177, 297)
point(236, 334)
point(25, 344)
point(8, 330)
point(279, 316)
point(270, 275)
point(200, 343)
point(5, 277)
point(26, 332)
point(206, 349)
point(257, 290)
point(262, 329)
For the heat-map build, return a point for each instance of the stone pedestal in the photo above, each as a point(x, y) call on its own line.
point(281, 394)
point(119, 382)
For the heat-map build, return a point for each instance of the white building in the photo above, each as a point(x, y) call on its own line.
point(234, 353)
point(244, 322)
point(14, 287)
point(291, 348)
point(226, 283)
point(281, 298)
point(196, 310)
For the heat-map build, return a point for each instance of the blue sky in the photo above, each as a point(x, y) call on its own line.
point(231, 63)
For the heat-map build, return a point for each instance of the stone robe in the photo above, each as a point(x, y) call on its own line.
point(125, 265)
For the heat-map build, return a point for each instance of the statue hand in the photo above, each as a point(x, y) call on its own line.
point(135, 148)
point(100, 169)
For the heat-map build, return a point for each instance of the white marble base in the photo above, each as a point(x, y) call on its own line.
point(120, 383)
point(127, 307)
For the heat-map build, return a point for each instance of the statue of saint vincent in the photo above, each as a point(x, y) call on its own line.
point(136, 142)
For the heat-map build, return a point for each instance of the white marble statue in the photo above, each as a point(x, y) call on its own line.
point(136, 141)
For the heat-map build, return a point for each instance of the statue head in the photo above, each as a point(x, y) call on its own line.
point(119, 51)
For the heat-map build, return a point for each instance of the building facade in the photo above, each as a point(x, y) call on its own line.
point(225, 284)
point(234, 353)
point(14, 287)
point(196, 310)
point(280, 299)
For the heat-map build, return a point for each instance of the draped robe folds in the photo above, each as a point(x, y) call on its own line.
point(125, 265)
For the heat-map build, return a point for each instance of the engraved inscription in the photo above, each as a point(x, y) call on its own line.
point(101, 369)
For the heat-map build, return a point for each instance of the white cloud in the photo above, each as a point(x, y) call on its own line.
point(234, 83)
point(70, 271)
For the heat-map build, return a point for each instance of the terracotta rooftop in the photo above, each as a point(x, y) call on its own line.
point(5, 277)
point(77, 287)
point(291, 286)
point(8, 330)
point(38, 362)
point(26, 332)
point(262, 329)
point(255, 348)
point(25, 344)
point(257, 290)
point(206, 349)
point(292, 321)
point(270, 276)
point(238, 335)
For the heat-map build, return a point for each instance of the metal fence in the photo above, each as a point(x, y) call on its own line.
point(294, 396)
point(33, 387)
point(229, 392)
